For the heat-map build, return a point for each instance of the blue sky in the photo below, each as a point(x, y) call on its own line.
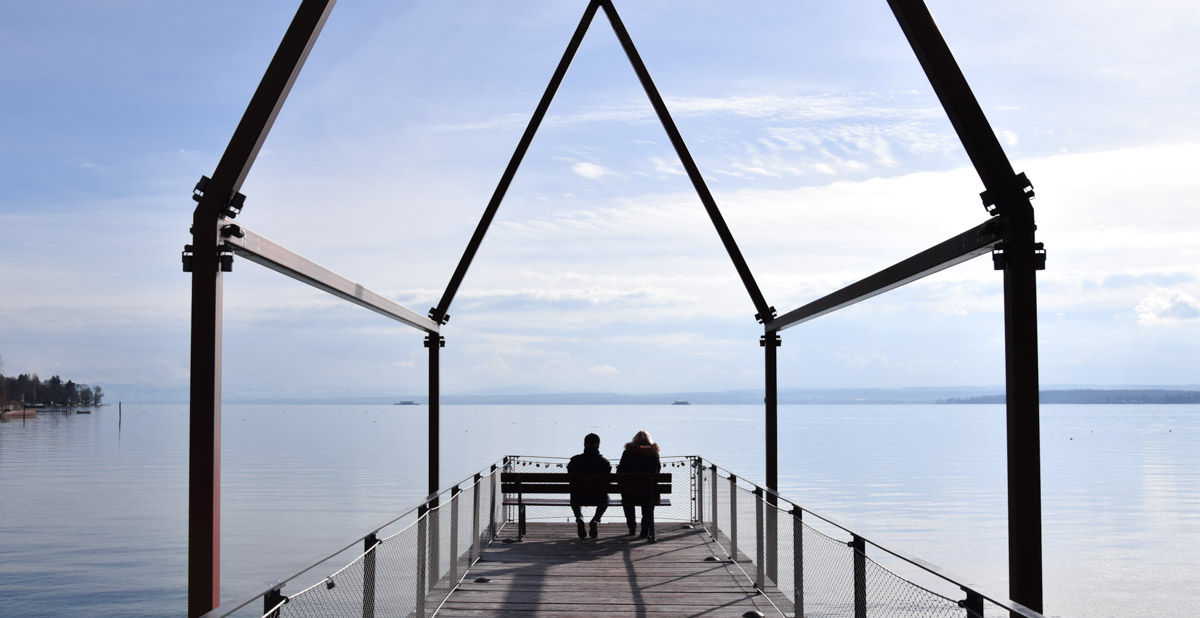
point(812, 123)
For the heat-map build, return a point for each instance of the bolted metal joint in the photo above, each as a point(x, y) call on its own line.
point(440, 339)
point(762, 341)
point(433, 315)
point(1024, 188)
point(201, 185)
point(234, 230)
point(234, 207)
point(187, 258)
point(999, 260)
point(762, 320)
point(225, 256)
point(1039, 256)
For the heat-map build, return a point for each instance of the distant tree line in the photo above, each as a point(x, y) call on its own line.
point(30, 389)
point(1094, 396)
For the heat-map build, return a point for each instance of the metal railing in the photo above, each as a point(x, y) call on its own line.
point(810, 565)
point(407, 572)
point(804, 563)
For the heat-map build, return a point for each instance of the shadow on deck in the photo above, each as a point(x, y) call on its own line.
point(555, 573)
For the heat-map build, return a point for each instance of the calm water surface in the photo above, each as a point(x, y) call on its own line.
point(93, 508)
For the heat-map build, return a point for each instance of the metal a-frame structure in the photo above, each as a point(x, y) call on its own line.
point(1008, 234)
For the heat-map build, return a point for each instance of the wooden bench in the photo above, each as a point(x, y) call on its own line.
point(514, 486)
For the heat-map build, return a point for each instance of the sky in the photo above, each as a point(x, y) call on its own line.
point(812, 122)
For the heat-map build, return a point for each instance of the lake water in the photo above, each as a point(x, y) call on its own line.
point(93, 508)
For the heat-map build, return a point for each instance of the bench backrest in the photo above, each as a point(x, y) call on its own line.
point(589, 482)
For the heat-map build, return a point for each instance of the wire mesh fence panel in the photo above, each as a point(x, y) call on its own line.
point(748, 526)
point(828, 584)
point(891, 596)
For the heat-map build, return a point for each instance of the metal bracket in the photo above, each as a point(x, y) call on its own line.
point(1023, 183)
point(187, 258)
point(225, 256)
point(1000, 260)
point(761, 320)
point(234, 230)
point(441, 341)
point(232, 209)
point(434, 316)
point(762, 341)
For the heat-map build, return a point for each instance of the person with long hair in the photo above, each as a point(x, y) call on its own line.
point(640, 456)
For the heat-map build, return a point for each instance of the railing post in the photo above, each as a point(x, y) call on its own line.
point(368, 603)
point(798, 559)
point(492, 507)
point(715, 528)
point(422, 531)
point(271, 601)
point(760, 573)
point(698, 470)
point(973, 604)
point(435, 553)
point(733, 517)
point(859, 548)
point(476, 549)
point(454, 491)
point(772, 536)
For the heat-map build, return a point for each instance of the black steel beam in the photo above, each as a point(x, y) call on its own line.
point(435, 344)
point(957, 100)
point(262, 251)
point(440, 312)
point(972, 243)
point(204, 466)
point(765, 312)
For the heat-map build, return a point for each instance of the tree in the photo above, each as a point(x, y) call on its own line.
point(97, 394)
point(86, 395)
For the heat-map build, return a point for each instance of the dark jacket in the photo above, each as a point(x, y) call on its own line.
point(639, 458)
point(590, 460)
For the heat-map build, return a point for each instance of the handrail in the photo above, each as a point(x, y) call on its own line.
point(226, 609)
point(928, 567)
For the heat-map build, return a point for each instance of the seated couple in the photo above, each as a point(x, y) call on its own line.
point(640, 455)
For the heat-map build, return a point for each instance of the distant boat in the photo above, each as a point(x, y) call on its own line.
point(681, 402)
point(405, 403)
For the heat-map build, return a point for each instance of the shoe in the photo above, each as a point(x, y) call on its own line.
point(632, 528)
point(592, 531)
point(651, 539)
point(579, 528)
point(644, 533)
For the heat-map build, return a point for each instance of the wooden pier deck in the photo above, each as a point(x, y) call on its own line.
point(555, 573)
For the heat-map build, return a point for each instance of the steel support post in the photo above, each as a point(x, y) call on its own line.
point(271, 601)
point(1024, 441)
point(798, 560)
point(215, 198)
point(434, 343)
point(368, 591)
point(492, 507)
point(771, 343)
point(698, 470)
point(1006, 191)
point(858, 549)
point(204, 423)
point(973, 604)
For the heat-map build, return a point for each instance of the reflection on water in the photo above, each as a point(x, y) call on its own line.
point(94, 515)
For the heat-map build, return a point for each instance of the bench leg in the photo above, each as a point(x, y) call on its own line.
point(521, 523)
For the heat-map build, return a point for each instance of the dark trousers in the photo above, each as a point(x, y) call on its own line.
point(647, 517)
point(575, 508)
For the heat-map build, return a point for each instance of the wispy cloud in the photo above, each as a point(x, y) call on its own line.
point(1167, 306)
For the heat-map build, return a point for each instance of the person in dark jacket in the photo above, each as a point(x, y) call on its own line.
point(641, 455)
point(590, 460)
